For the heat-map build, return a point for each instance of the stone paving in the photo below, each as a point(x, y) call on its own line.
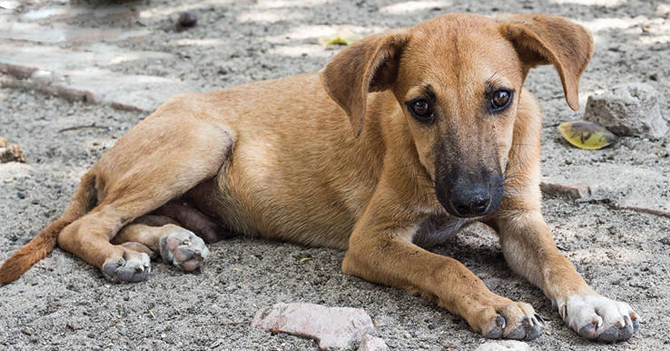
point(41, 50)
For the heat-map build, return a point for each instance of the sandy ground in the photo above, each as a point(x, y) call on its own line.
point(63, 303)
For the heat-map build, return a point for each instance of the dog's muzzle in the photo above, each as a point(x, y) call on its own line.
point(467, 199)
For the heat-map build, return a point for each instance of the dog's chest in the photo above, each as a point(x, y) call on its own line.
point(435, 230)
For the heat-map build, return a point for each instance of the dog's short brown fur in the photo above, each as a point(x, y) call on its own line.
point(279, 159)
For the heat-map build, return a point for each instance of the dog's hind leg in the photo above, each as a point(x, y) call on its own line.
point(177, 246)
point(190, 218)
point(157, 161)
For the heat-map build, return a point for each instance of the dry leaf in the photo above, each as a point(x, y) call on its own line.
point(343, 36)
point(586, 135)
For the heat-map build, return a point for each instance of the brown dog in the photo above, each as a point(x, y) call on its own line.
point(443, 135)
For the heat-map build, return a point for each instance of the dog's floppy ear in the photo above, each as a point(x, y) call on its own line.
point(368, 65)
point(545, 39)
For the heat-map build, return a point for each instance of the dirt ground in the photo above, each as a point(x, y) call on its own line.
point(63, 303)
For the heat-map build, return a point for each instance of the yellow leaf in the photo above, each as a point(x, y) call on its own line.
point(586, 135)
point(337, 41)
point(343, 37)
point(305, 259)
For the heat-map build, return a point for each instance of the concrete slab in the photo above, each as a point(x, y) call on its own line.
point(67, 11)
point(62, 33)
point(128, 92)
point(82, 73)
point(54, 58)
point(99, 86)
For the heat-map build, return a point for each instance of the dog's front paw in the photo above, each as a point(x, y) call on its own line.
point(511, 320)
point(597, 317)
point(182, 248)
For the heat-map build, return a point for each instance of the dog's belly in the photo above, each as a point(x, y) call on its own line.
point(247, 203)
point(284, 219)
point(435, 230)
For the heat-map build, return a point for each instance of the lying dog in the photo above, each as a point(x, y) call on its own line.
point(443, 135)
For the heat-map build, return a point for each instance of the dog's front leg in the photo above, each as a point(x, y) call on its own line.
point(530, 251)
point(380, 250)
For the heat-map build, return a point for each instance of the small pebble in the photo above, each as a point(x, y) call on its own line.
point(188, 19)
point(20, 195)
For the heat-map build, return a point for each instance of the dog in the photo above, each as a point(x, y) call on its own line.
point(403, 139)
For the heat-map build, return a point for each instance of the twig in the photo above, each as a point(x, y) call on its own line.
point(92, 125)
point(645, 210)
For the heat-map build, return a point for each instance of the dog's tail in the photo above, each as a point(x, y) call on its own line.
point(83, 199)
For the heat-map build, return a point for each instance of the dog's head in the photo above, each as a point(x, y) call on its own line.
point(457, 79)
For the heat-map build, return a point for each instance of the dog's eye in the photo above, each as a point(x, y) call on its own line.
point(500, 99)
point(421, 110)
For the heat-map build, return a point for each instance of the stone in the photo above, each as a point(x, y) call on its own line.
point(506, 345)
point(187, 19)
point(10, 153)
point(371, 343)
point(630, 109)
point(332, 327)
point(570, 191)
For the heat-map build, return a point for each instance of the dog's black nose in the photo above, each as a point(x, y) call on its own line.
point(471, 202)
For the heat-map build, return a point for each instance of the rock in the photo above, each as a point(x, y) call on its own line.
point(188, 19)
point(630, 109)
point(506, 345)
point(332, 327)
point(570, 191)
point(10, 153)
point(371, 343)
